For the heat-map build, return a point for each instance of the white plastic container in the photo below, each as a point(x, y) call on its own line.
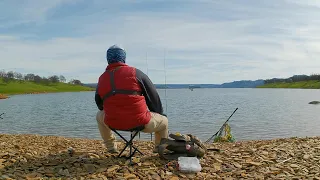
point(189, 164)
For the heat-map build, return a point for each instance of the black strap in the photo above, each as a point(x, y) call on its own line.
point(114, 90)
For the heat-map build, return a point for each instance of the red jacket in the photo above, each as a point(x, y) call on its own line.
point(135, 94)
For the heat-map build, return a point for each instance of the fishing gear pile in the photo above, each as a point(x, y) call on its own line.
point(181, 146)
point(224, 134)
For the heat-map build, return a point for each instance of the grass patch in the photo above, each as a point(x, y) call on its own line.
point(27, 87)
point(312, 84)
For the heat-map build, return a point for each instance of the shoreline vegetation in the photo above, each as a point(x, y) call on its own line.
point(13, 83)
point(311, 84)
point(27, 156)
point(296, 81)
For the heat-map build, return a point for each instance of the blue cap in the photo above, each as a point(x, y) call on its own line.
point(116, 54)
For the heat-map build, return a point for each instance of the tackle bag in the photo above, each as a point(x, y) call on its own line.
point(181, 146)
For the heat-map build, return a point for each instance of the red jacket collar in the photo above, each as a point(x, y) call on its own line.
point(114, 65)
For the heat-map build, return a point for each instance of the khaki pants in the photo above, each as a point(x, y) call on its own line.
point(158, 124)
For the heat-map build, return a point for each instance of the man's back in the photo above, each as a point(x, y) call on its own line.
point(127, 107)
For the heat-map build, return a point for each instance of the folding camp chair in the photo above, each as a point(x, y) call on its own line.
point(133, 133)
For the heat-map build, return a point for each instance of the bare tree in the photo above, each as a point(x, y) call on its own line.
point(3, 74)
point(62, 79)
point(37, 79)
point(10, 74)
point(29, 77)
point(19, 76)
point(54, 79)
point(75, 82)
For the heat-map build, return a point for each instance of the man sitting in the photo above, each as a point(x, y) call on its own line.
point(126, 98)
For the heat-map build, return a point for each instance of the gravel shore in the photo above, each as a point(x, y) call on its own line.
point(47, 157)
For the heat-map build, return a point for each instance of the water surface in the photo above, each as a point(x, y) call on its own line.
point(262, 113)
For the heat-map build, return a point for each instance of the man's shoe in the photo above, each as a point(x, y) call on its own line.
point(113, 150)
point(156, 149)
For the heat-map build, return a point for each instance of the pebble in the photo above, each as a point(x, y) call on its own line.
point(306, 157)
point(294, 166)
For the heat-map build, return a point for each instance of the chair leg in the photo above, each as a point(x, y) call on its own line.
point(130, 155)
point(130, 144)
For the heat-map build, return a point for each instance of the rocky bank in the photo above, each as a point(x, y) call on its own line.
point(47, 157)
point(2, 96)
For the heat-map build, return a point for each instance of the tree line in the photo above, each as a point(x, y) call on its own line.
point(9, 76)
point(295, 78)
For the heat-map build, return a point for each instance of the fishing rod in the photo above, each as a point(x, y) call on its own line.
point(221, 126)
point(165, 80)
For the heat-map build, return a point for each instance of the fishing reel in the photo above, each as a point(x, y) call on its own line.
point(1, 115)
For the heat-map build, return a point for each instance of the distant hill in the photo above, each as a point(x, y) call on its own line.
point(235, 84)
point(243, 84)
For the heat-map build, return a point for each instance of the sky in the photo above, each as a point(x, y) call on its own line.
point(180, 41)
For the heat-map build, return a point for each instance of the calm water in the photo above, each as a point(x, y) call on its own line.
point(262, 113)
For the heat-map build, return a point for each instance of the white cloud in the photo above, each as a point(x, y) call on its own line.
point(222, 42)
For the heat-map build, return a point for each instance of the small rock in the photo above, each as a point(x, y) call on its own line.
point(103, 177)
point(162, 174)
point(294, 166)
point(41, 169)
point(218, 160)
point(191, 176)
point(255, 163)
point(237, 165)
point(217, 167)
point(129, 176)
point(135, 160)
point(33, 175)
point(92, 155)
point(209, 176)
point(2, 160)
point(90, 168)
point(113, 168)
point(274, 169)
point(100, 170)
point(306, 157)
point(168, 173)
point(64, 172)
point(314, 102)
point(174, 178)
point(156, 177)
point(6, 177)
